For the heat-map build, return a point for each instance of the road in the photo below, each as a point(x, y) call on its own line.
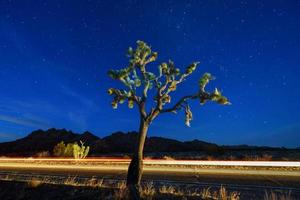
point(234, 175)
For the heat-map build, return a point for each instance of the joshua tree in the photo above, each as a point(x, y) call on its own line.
point(137, 81)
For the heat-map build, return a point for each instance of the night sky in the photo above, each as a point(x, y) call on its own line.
point(54, 58)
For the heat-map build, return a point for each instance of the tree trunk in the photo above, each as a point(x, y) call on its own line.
point(135, 168)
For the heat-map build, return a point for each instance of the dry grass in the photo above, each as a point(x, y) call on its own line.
point(170, 190)
point(71, 181)
point(234, 196)
point(205, 193)
point(121, 193)
point(6, 178)
point(221, 194)
point(224, 195)
point(277, 196)
point(94, 182)
point(148, 191)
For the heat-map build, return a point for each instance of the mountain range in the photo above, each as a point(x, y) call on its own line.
point(118, 142)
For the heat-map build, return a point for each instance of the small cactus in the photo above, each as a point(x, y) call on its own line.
point(80, 152)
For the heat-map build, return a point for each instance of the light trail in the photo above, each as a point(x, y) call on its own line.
point(229, 163)
point(269, 172)
point(159, 162)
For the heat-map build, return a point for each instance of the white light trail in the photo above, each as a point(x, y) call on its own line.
point(161, 162)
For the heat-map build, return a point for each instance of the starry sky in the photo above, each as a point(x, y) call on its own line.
point(55, 54)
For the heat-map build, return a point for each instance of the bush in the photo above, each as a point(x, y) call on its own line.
point(71, 150)
point(59, 149)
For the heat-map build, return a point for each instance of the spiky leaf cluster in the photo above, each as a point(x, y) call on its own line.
point(120, 96)
point(204, 80)
point(188, 115)
point(136, 75)
point(219, 98)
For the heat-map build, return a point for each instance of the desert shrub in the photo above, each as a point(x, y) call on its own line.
point(59, 149)
point(71, 150)
point(80, 152)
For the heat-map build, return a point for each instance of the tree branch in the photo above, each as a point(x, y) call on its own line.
point(141, 106)
point(179, 103)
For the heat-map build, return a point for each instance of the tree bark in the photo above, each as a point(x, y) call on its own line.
point(135, 168)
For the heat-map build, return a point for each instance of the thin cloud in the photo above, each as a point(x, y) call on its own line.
point(86, 102)
point(7, 136)
point(85, 108)
point(24, 122)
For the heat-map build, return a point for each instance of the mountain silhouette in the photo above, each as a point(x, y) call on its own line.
point(118, 142)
